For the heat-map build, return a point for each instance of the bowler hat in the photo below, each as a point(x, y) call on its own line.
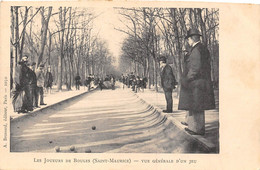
point(162, 58)
point(192, 32)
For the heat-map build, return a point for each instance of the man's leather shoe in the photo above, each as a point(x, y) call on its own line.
point(191, 132)
point(167, 111)
point(184, 123)
point(43, 104)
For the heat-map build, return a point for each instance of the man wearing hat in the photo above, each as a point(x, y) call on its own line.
point(22, 90)
point(168, 83)
point(48, 80)
point(40, 84)
point(77, 81)
point(33, 85)
point(196, 93)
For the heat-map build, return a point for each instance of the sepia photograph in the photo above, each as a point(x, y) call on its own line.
point(127, 80)
point(129, 85)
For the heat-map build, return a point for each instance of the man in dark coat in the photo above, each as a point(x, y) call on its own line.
point(168, 83)
point(196, 93)
point(144, 82)
point(77, 81)
point(89, 79)
point(33, 85)
point(48, 80)
point(22, 91)
point(100, 83)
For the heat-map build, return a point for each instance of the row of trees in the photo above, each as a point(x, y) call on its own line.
point(61, 38)
point(152, 32)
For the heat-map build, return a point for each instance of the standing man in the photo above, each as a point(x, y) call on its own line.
point(22, 87)
point(33, 85)
point(48, 80)
point(100, 83)
point(77, 81)
point(89, 81)
point(112, 80)
point(196, 93)
point(144, 82)
point(124, 81)
point(40, 84)
point(168, 83)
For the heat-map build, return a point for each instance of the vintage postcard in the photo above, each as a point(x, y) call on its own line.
point(133, 85)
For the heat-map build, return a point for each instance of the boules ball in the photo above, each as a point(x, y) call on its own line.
point(93, 127)
point(57, 149)
point(72, 148)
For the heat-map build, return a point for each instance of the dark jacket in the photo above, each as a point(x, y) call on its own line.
point(22, 76)
point(33, 79)
point(48, 79)
point(168, 80)
point(196, 87)
point(77, 79)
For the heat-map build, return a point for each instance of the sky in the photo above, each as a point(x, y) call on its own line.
point(105, 24)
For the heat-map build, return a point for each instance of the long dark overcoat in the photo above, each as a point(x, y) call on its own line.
point(22, 82)
point(197, 91)
point(168, 80)
point(48, 80)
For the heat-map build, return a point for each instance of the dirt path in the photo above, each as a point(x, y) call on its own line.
point(102, 121)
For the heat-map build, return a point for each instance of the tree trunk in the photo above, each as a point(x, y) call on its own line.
point(12, 55)
point(45, 23)
point(49, 58)
point(23, 33)
point(17, 36)
point(202, 26)
point(60, 68)
point(155, 75)
point(178, 45)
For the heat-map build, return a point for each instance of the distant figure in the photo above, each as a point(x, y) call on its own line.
point(133, 83)
point(113, 82)
point(40, 84)
point(168, 83)
point(128, 81)
point(131, 79)
point(196, 94)
point(144, 82)
point(48, 80)
point(92, 81)
point(89, 79)
point(77, 81)
point(22, 89)
point(138, 84)
point(107, 78)
point(123, 81)
point(100, 83)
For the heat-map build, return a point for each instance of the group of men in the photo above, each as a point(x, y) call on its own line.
point(137, 83)
point(92, 80)
point(109, 78)
point(196, 93)
point(28, 86)
point(88, 81)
